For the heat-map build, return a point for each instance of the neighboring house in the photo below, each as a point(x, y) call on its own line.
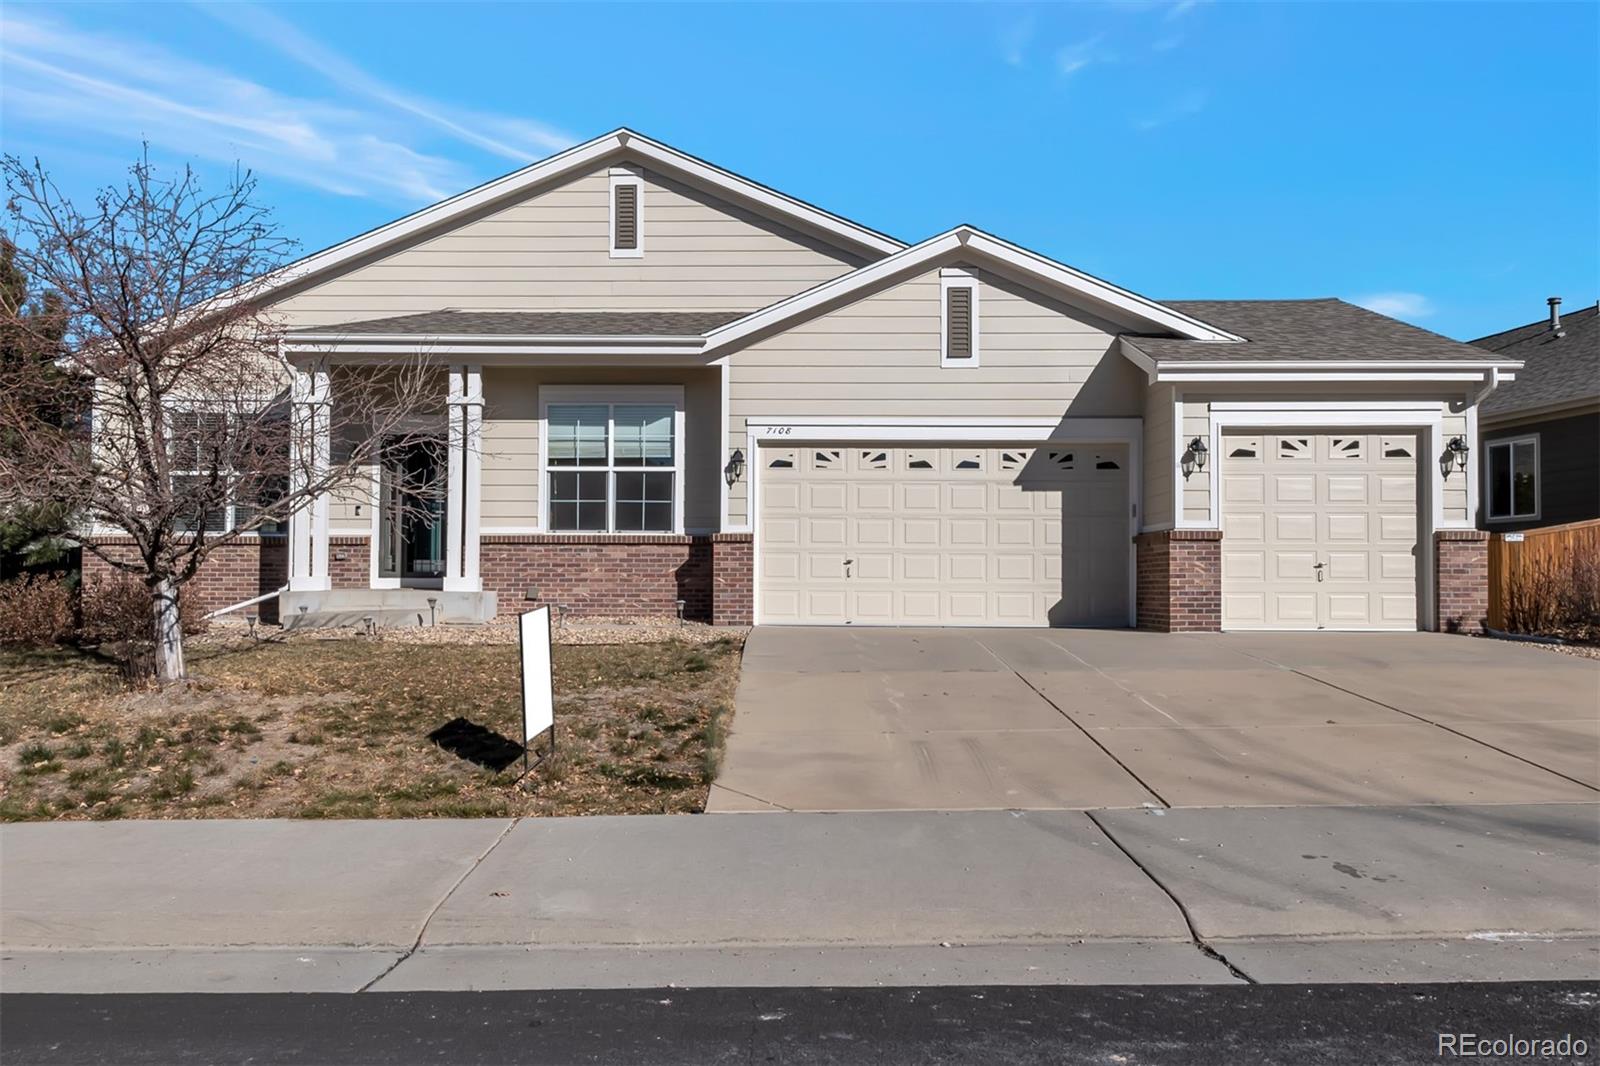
point(670, 385)
point(1540, 434)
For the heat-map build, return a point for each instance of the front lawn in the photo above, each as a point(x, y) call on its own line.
point(319, 728)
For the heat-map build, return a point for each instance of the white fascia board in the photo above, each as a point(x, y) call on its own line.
point(302, 341)
point(1376, 365)
point(1135, 356)
point(969, 245)
point(851, 234)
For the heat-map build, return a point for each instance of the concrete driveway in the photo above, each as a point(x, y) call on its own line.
point(896, 719)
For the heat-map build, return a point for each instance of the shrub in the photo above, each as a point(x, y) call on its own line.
point(1555, 596)
point(120, 610)
point(36, 610)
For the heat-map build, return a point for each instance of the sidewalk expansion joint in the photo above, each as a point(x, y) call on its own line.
point(1420, 718)
point(1200, 942)
point(423, 931)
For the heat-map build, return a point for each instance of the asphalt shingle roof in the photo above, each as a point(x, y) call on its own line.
point(1557, 369)
point(1302, 331)
point(540, 324)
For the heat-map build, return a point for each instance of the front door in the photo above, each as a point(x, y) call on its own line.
point(411, 513)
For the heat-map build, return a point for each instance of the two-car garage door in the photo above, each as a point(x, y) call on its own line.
point(940, 535)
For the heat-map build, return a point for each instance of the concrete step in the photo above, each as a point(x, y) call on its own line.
point(384, 608)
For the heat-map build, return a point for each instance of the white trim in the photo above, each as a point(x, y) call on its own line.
point(619, 177)
point(1128, 432)
point(967, 243)
point(508, 531)
point(464, 480)
point(613, 395)
point(1538, 477)
point(724, 489)
point(958, 278)
point(308, 524)
point(1427, 421)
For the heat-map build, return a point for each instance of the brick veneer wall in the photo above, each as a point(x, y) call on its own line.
point(733, 579)
point(1461, 579)
point(1179, 586)
point(237, 571)
point(622, 576)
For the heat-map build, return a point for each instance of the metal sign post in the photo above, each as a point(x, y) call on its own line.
point(538, 683)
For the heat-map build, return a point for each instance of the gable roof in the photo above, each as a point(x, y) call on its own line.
point(968, 244)
point(453, 324)
point(620, 145)
point(1324, 331)
point(1559, 367)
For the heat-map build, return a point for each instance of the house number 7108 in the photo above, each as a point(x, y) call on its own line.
point(779, 431)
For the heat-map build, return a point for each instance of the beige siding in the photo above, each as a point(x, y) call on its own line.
point(511, 476)
point(552, 252)
point(879, 358)
point(1197, 489)
point(1158, 471)
point(1456, 511)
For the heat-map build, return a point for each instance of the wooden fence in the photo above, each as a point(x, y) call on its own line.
point(1524, 561)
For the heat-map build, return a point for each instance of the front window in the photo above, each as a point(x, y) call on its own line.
point(1514, 478)
point(612, 467)
point(206, 456)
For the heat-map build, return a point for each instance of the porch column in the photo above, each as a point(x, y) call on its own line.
point(308, 464)
point(464, 479)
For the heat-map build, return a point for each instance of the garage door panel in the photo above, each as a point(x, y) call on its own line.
point(1244, 488)
point(944, 535)
point(1345, 500)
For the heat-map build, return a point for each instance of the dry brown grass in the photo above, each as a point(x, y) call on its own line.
point(338, 729)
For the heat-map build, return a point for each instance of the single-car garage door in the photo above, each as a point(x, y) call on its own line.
point(972, 536)
point(1319, 530)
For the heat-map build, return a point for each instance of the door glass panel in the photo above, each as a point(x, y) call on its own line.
point(644, 434)
point(577, 434)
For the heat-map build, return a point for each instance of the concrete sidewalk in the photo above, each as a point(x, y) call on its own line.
point(1129, 896)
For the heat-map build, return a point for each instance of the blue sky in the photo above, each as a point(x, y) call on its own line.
point(1440, 162)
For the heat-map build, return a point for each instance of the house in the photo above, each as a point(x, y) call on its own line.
point(1540, 435)
point(673, 388)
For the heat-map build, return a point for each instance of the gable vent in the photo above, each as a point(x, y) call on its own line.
point(958, 341)
point(627, 216)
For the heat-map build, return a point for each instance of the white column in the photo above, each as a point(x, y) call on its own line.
point(308, 525)
point(464, 480)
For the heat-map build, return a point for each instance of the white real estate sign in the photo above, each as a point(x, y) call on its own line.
point(538, 689)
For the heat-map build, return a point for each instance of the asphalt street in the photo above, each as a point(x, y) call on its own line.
point(1184, 1025)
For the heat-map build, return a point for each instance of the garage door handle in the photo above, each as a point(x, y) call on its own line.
point(847, 564)
point(1318, 567)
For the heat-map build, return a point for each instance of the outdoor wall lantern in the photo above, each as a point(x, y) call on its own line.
point(1454, 457)
point(1194, 458)
point(735, 467)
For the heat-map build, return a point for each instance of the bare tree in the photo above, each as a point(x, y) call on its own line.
point(159, 288)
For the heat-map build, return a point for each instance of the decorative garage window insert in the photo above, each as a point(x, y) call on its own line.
point(1514, 478)
point(612, 467)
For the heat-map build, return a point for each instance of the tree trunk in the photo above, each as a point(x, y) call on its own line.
point(168, 632)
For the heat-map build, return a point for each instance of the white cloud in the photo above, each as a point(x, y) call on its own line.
point(1190, 103)
point(1015, 39)
point(1074, 57)
point(1180, 9)
point(1397, 304)
point(61, 78)
point(522, 140)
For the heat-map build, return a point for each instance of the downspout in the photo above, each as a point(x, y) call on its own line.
point(1491, 382)
point(247, 603)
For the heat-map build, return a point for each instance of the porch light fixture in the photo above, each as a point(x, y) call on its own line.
point(735, 468)
point(1454, 457)
point(1194, 458)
